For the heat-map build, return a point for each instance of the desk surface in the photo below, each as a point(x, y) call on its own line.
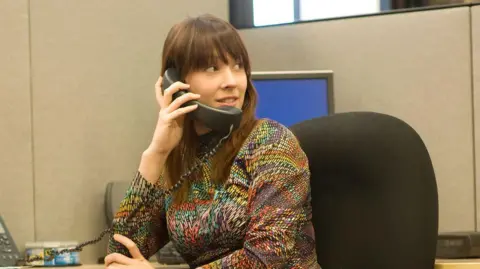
point(101, 266)
point(156, 265)
point(439, 264)
point(457, 264)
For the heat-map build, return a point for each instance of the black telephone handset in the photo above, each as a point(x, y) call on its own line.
point(9, 254)
point(223, 119)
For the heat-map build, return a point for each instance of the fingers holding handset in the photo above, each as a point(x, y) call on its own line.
point(174, 88)
point(181, 111)
point(181, 100)
point(173, 109)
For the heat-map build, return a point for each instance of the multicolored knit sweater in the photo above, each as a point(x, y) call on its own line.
point(259, 218)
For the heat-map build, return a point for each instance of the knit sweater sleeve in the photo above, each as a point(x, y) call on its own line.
point(278, 205)
point(147, 226)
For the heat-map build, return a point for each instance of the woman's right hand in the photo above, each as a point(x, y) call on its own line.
point(169, 128)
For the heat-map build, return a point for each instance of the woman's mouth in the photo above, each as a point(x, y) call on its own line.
point(228, 101)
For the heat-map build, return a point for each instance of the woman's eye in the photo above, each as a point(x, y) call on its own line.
point(238, 65)
point(211, 69)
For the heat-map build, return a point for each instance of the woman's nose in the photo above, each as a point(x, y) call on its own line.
point(230, 80)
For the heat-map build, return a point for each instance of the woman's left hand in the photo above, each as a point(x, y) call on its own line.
point(120, 261)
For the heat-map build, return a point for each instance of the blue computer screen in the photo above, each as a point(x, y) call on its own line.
point(290, 101)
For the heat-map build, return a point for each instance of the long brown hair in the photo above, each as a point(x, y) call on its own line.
point(194, 44)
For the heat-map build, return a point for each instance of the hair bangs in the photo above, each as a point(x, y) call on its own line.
point(210, 42)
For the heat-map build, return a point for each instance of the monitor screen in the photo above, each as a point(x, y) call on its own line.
point(292, 97)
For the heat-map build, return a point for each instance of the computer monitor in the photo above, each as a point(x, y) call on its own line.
point(290, 97)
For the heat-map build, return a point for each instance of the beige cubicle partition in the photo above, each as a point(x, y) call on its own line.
point(415, 66)
point(16, 180)
point(476, 95)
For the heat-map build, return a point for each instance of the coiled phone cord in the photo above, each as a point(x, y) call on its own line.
point(109, 230)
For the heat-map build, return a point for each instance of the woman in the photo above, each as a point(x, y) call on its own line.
point(248, 205)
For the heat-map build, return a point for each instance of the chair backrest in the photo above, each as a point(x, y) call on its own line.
point(114, 194)
point(374, 193)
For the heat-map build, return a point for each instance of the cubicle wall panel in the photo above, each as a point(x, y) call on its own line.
point(476, 95)
point(16, 183)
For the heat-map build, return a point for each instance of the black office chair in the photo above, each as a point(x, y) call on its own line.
point(374, 193)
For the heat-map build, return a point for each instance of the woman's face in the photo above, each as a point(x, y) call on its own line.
point(223, 84)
